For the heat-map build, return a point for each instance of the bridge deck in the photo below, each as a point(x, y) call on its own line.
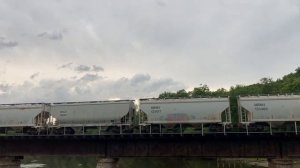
point(209, 146)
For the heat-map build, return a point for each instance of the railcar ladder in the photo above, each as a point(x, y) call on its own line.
point(244, 116)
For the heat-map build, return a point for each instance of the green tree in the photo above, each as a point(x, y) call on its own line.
point(203, 90)
point(182, 93)
point(167, 95)
point(222, 92)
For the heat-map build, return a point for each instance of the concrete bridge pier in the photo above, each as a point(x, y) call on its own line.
point(10, 161)
point(280, 163)
point(107, 162)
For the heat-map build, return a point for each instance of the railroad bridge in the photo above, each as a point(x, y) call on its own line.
point(279, 149)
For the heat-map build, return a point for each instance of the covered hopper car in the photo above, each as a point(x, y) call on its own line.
point(82, 117)
point(184, 115)
point(257, 114)
point(270, 113)
point(23, 118)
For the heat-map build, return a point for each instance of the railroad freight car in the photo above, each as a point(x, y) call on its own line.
point(270, 113)
point(91, 117)
point(195, 115)
point(23, 118)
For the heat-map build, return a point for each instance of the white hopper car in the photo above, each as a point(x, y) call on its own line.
point(260, 112)
point(23, 118)
point(202, 111)
point(84, 115)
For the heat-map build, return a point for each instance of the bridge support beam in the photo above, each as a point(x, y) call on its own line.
point(107, 162)
point(280, 163)
point(10, 161)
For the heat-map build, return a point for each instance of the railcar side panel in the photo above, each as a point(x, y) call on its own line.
point(200, 110)
point(20, 115)
point(90, 113)
point(269, 108)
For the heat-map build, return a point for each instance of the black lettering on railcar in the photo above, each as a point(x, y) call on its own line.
point(63, 113)
point(260, 107)
point(155, 109)
point(259, 104)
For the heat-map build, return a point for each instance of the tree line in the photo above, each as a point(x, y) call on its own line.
point(287, 84)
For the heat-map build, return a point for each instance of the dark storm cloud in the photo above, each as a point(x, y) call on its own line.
point(6, 43)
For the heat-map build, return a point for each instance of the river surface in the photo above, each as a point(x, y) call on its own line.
point(90, 162)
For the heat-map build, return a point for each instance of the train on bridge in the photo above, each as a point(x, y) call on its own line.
point(257, 114)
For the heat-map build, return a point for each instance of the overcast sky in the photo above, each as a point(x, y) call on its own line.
point(74, 50)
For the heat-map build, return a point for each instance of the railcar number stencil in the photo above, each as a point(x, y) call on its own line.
point(260, 107)
point(155, 109)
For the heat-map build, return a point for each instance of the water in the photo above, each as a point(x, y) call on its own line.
point(90, 162)
point(59, 162)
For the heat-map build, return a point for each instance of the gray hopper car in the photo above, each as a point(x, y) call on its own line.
point(261, 112)
point(86, 115)
point(207, 111)
point(91, 113)
point(25, 118)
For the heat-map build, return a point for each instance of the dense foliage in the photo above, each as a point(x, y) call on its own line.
point(288, 84)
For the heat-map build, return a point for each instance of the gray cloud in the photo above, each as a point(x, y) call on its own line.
point(97, 68)
point(68, 65)
point(220, 43)
point(90, 77)
point(5, 87)
point(55, 35)
point(89, 87)
point(140, 78)
point(161, 3)
point(35, 75)
point(7, 44)
point(82, 68)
